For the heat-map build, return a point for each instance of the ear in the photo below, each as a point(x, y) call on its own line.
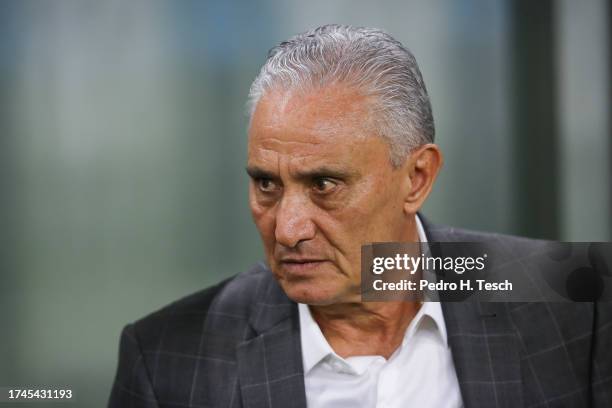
point(422, 167)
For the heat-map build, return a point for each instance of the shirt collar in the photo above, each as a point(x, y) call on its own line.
point(431, 309)
point(316, 348)
point(314, 345)
point(428, 310)
point(420, 229)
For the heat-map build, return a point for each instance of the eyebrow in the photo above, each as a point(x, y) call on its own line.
point(258, 173)
point(319, 172)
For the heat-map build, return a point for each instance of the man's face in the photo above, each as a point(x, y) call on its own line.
point(322, 184)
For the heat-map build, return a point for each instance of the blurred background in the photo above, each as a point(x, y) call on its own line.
point(123, 145)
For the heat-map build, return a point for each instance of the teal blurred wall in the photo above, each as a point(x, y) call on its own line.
point(123, 146)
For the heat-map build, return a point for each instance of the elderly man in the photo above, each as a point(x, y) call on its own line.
point(340, 154)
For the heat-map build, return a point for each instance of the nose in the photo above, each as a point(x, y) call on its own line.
point(293, 221)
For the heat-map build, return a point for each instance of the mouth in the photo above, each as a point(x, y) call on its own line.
point(301, 266)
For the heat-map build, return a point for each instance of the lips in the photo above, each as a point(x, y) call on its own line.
point(300, 260)
point(300, 265)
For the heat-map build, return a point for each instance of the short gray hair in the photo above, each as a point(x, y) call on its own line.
point(367, 58)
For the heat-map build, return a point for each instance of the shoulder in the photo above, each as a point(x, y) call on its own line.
point(504, 245)
point(444, 233)
point(567, 319)
point(222, 309)
point(161, 354)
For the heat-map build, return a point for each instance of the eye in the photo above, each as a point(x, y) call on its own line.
point(266, 185)
point(324, 185)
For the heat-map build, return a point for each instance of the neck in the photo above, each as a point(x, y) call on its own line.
point(357, 329)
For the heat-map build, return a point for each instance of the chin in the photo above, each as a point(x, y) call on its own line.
point(313, 294)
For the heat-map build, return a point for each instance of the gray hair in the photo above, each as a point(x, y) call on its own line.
point(367, 58)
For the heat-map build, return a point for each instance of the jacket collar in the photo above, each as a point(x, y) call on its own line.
point(483, 342)
point(272, 306)
point(270, 363)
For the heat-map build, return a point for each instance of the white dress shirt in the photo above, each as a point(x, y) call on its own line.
point(420, 373)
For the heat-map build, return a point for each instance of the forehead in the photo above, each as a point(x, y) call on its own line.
point(297, 121)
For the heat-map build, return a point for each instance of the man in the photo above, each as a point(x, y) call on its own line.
point(340, 154)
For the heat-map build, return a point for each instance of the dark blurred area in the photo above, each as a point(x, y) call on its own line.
point(123, 145)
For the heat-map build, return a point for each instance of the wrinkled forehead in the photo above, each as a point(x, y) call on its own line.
point(316, 113)
point(330, 128)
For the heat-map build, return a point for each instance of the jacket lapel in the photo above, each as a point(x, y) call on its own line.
point(270, 363)
point(485, 353)
point(484, 345)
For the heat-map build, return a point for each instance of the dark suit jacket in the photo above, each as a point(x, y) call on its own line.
point(237, 344)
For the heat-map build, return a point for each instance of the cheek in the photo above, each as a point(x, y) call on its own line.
point(372, 211)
